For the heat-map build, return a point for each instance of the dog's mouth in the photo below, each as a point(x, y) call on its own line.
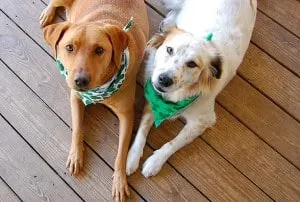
point(158, 88)
point(80, 89)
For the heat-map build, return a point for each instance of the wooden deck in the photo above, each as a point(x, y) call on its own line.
point(252, 153)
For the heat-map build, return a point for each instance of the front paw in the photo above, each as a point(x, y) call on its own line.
point(153, 164)
point(133, 160)
point(47, 16)
point(120, 186)
point(75, 160)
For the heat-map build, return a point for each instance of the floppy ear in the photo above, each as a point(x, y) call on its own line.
point(120, 40)
point(156, 41)
point(53, 33)
point(216, 67)
point(210, 73)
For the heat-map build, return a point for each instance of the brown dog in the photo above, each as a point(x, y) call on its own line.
point(90, 45)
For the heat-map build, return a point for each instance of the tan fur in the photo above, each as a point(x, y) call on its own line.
point(91, 24)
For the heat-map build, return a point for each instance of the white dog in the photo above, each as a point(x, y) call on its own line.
point(202, 45)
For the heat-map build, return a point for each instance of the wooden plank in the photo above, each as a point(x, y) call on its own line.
point(6, 194)
point(41, 66)
point(272, 79)
point(285, 12)
point(47, 134)
point(256, 111)
point(268, 121)
point(105, 146)
point(278, 42)
point(26, 172)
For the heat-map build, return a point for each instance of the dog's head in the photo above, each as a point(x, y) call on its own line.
point(181, 61)
point(90, 52)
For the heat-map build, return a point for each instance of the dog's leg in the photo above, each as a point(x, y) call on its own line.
point(75, 158)
point(190, 131)
point(48, 13)
point(120, 186)
point(136, 150)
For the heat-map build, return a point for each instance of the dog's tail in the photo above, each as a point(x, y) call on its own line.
point(172, 4)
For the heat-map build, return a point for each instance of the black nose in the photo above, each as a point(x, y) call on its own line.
point(82, 79)
point(164, 80)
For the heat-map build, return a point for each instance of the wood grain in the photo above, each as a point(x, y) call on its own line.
point(277, 42)
point(26, 172)
point(27, 60)
point(272, 79)
point(285, 12)
point(6, 194)
point(268, 121)
point(48, 135)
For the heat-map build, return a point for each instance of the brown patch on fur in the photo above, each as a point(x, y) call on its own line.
point(158, 39)
point(206, 80)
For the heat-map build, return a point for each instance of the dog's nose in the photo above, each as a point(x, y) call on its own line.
point(81, 80)
point(165, 80)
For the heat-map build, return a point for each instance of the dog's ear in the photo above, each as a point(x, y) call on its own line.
point(216, 66)
point(210, 74)
point(156, 41)
point(53, 33)
point(119, 40)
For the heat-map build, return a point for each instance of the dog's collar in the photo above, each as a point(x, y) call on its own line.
point(100, 93)
point(163, 109)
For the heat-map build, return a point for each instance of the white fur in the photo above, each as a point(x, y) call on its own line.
point(231, 22)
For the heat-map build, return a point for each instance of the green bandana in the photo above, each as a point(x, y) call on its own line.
point(100, 93)
point(163, 109)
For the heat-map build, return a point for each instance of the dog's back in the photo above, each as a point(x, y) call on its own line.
point(230, 21)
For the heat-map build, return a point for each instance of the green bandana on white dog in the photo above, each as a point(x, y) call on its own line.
point(100, 93)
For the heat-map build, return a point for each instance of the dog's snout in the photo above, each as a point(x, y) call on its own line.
point(82, 80)
point(165, 80)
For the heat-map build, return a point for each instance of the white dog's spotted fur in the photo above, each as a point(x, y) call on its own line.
point(188, 22)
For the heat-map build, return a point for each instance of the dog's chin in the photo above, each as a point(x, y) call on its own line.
point(78, 89)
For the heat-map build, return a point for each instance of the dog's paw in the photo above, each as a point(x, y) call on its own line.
point(47, 16)
point(120, 187)
point(133, 160)
point(75, 160)
point(153, 165)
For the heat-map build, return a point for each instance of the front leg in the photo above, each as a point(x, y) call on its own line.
point(48, 13)
point(75, 158)
point(120, 186)
point(136, 150)
point(191, 130)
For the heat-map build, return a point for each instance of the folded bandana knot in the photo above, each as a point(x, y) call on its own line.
point(163, 109)
point(100, 93)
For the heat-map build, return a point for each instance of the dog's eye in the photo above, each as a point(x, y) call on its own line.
point(191, 64)
point(99, 50)
point(170, 50)
point(69, 47)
